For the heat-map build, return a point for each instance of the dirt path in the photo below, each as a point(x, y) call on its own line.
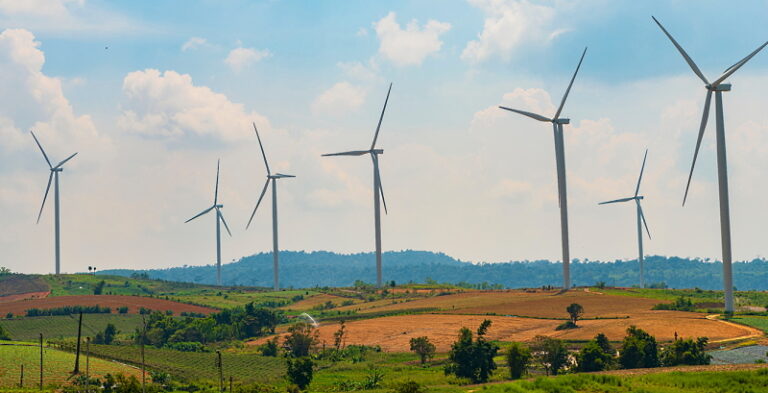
point(754, 331)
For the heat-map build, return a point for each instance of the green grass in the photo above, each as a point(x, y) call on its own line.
point(57, 366)
point(757, 322)
point(232, 298)
point(54, 327)
point(742, 298)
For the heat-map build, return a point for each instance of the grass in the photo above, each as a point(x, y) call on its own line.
point(756, 322)
point(742, 298)
point(57, 366)
point(29, 328)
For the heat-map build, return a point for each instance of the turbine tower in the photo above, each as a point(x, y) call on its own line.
point(377, 189)
point(54, 175)
point(640, 220)
point(718, 87)
point(273, 180)
point(557, 125)
point(219, 220)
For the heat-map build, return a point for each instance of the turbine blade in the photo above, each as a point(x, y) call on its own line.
point(680, 49)
point(738, 65)
point(378, 127)
point(642, 217)
point(223, 221)
point(348, 153)
point(65, 160)
point(282, 175)
point(381, 188)
point(47, 188)
point(617, 200)
point(262, 148)
point(263, 191)
point(216, 190)
point(704, 118)
point(639, 179)
point(568, 90)
point(41, 150)
point(200, 214)
point(529, 114)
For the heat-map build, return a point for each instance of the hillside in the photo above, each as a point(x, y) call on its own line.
point(321, 268)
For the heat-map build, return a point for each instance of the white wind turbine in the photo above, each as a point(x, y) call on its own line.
point(718, 87)
point(640, 220)
point(377, 189)
point(54, 175)
point(557, 125)
point(270, 179)
point(219, 220)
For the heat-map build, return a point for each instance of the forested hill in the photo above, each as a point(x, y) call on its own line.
point(321, 268)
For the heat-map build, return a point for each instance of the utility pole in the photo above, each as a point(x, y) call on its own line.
point(143, 365)
point(221, 372)
point(77, 353)
point(21, 377)
point(87, 360)
point(41, 361)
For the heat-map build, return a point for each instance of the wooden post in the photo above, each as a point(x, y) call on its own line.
point(77, 351)
point(41, 361)
point(221, 374)
point(143, 365)
point(87, 362)
point(230, 384)
point(21, 377)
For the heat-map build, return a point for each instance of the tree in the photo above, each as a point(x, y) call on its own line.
point(107, 336)
point(300, 341)
point(299, 371)
point(99, 288)
point(338, 336)
point(686, 351)
point(597, 355)
point(470, 358)
point(638, 350)
point(423, 348)
point(518, 360)
point(269, 348)
point(575, 311)
point(4, 334)
point(550, 353)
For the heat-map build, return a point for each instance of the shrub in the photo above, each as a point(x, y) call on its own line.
point(551, 354)
point(269, 348)
point(299, 371)
point(686, 351)
point(408, 387)
point(566, 325)
point(187, 346)
point(518, 360)
point(9, 315)
point(68, 310)
point(597, 355)
point(99, 287)
point(107, 336)
point(301, 340)
point(638, 350)
point(470, 358)
point(4, 334)
point(680, 304)
point(423, 348)
point(122, 309)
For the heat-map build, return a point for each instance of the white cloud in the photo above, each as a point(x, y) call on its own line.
point(64, 16)
point(193, 43)
point(362, 32)
point(409, 46)
point(508, 24)
point(240, 58)
point(339, 99)
point(168, 104)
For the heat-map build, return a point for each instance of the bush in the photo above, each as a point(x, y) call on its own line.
point(408, 387)
point(472, 359)
point(68, 310)
point(518, 360)
point(597, 355)
point(9, 315)
point(107, 336)
point(423, 348)
point(99, 287)
point(551, 354)
point(566, 325)
point(687, 352)
point(680, 304)
point(187, 346)
point(638, 350)
point(4, 334)
point(301, 340)
point(299, 371)
point(269, 348)
point(122, 309)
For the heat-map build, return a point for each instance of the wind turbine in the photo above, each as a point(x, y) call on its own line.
point(270, 179)
point(219, 220)
point(640, 220)
point(54, 175)
point(557, 125)
point(377, 189)
point(718, 87)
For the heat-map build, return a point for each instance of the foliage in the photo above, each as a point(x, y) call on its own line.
point(408, 387)
point(566, 325)
point(575, 311)
point(638, 350)
point(518, 358)
point(107, 336)
point(596, 355)
point(550, 353)
point(68, 310)
point(301, 340)
point(423, 347)
point(686, 351)
point(270, 348)
point(4, 334)
point(472, 358)
point(99, 287)
point(187, 346)
point(680, 304)
point(299, 371)
point(66, 326)
point(338, 336)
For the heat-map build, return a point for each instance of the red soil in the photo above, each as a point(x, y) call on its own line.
point(134, 303)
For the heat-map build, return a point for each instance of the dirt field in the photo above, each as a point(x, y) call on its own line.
point(309, 303)
point(15, 284)
point(22, 296)
point(134, 303)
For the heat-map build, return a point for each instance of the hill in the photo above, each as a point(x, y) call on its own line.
point(301, 269)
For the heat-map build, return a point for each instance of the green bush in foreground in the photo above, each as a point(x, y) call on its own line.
point(638, 350)
point(686, 351)
point(518, 359)
point(472, 358)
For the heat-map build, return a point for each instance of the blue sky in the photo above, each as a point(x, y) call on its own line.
point(181, 81)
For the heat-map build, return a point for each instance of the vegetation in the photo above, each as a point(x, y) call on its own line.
point(596, 355)
point(472, 358)
point(518, 358)
point(299, 371)
point(422, 347)
point(4, 334)
point(107, 336)
point(67, 310)
point(638, 350)
point(301, 340)
point(686, 351)
point(680, 304)
point(66, 326)
point(575, 311)
point(550, 353)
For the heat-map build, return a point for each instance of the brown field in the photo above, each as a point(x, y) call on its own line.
point(22, 296)
point(467, 309)
point(15, 284)
point(309, 303)
point(134, 303)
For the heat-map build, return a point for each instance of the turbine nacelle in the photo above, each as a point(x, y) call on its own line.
point(720, 87)
point(561, 121)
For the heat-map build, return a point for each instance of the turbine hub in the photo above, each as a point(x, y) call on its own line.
point(562, 121)
point(720, 87)
point(218, 206)
point(377, 151)
point(639, 197)
point(57, 169)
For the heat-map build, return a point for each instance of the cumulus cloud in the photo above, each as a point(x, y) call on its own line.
point(240, 58)
point(193, 43)
point(339, 99)
point(508, 24)
point(409, 46)
point(168, 104)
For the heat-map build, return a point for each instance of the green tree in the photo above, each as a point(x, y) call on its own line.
point(550, 353)
point(299, 371)
point(638, 350)
point(472, 358)
point(270, 347)
point(518, 359)
point(686, 351)
point(300, 341)
point(423, 348)
point(596, 355)
point(107, 336)
point(4, 334)
point(99, 287)
point(575, 311)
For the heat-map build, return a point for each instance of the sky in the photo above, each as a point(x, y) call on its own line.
point(152, 94)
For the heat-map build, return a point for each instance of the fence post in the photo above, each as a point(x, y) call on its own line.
point(41, 361)
point(21, 377)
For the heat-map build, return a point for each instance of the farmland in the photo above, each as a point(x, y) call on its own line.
point(134, 304)
point(54, 327)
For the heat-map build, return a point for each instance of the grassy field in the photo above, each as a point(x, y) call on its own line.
point(57, 366)
point(757, 322)
point(742, 298)
point(55, 327)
